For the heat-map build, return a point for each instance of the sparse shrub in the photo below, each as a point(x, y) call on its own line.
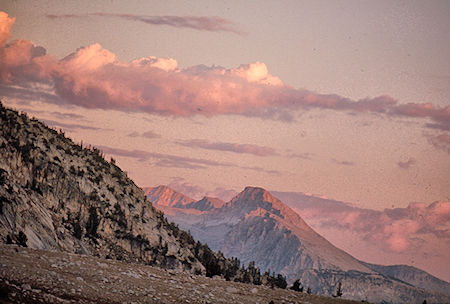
point(280, 282)
point(94, 196)
point(22, 239)
point(119, 216)
point(338, 291)
point(92, 223)
point(3, 176)
point(297, 286)
point(77, 231)
point(9, 240)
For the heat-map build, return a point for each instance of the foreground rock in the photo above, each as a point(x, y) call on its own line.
point(57, 195)
point(38, 276)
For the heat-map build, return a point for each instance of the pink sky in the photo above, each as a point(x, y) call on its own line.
point(344, 99)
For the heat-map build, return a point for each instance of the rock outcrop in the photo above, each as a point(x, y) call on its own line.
point(57, 195)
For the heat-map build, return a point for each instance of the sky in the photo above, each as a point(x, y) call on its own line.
point(348, 100)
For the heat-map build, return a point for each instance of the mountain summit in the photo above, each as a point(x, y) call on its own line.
point(257, 226)
point(262, 227)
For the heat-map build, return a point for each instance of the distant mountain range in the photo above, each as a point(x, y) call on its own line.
point(256, 226)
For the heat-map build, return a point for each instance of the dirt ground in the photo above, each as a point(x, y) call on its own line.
point(37, 276)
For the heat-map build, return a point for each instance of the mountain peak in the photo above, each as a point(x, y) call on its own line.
point(165, 196)
point(257, 198)
point(257, 193)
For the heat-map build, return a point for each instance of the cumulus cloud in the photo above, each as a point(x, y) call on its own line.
point(6, 24)
point(231, 147)
point(201, 23)
point(407, 164)
point(396, 230)
point(93, 77)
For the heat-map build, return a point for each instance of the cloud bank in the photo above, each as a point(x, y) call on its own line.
point(93, 77)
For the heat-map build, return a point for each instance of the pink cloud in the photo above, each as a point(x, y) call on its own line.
point(93, 77)
point(6, 24)
point(398, 229)
point(397, 243)
point(202, 23)
point(231, 147)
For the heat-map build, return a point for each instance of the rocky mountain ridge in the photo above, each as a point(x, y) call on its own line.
point(256, 226)
point(413, 276)
point(57, 195)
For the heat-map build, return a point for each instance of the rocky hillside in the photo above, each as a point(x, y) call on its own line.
point(57, 195)
point(256, 226)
